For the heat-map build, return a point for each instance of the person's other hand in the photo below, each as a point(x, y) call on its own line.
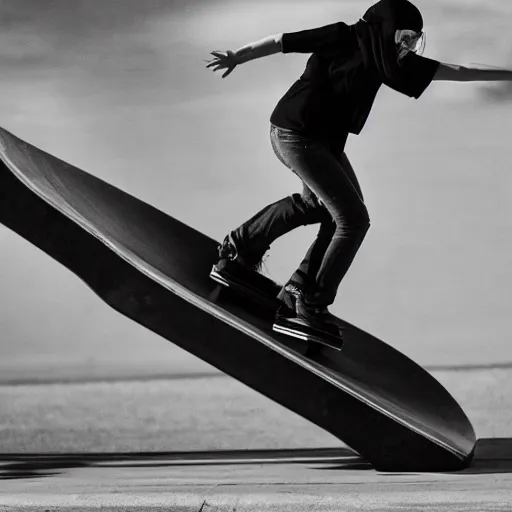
point(223, 60)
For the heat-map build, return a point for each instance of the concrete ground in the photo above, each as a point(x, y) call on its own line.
point(211, 443)
point(314, 481)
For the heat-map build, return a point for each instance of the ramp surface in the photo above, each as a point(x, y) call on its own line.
point(154, 269)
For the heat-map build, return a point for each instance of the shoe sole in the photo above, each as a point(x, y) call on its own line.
point(243, 288)
point(297, 329)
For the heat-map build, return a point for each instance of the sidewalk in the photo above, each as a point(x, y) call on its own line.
point(167, 422)
point(318, 480)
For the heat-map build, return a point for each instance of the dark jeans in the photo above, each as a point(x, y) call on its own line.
point(331, 196)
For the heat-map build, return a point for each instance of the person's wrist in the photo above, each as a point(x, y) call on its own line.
point(241, 56)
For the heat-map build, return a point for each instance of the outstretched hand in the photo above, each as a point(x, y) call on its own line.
point(223, 60)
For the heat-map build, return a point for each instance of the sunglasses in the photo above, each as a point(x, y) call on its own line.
point(411, 40)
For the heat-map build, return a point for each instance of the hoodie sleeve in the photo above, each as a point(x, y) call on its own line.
point(317, 40)
point(416, 74)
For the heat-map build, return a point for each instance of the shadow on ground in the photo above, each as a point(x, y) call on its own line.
point(491, 456)
point(15, 466)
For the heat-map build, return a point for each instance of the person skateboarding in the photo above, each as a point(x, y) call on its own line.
point(308, 131)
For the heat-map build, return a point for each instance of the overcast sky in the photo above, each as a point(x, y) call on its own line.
point(119, 88)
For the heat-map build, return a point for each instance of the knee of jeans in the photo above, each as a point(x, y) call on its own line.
point(354, 221)
point(364, 221)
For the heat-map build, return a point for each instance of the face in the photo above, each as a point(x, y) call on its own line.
point(410, 41)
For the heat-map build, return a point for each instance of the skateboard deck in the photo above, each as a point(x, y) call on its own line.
point(155, 269)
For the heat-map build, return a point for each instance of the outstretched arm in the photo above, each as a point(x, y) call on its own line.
point(266, 46)
point(456, 73)
point(229, 60)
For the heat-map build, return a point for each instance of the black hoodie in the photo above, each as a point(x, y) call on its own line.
point(347, 67)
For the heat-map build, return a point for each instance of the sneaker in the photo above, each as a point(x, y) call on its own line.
point(230, 266)
point(309, 312)
point(308, 323)
point(227, 250)
point(289, 295)
point(234, 271)
point(292, 297)
point(313, 317)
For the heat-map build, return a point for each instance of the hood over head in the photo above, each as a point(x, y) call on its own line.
point(395, 15)
point(376, 37)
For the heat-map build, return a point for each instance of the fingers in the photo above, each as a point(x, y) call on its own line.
point(221, 61)
point(217, 65)
point(217, 61)
point(228, 72)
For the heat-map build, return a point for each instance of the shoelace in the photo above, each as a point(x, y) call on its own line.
point(293, 290)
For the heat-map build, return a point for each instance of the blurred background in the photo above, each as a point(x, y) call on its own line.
point(119, 88)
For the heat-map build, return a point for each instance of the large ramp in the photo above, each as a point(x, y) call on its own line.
point(154, 269)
